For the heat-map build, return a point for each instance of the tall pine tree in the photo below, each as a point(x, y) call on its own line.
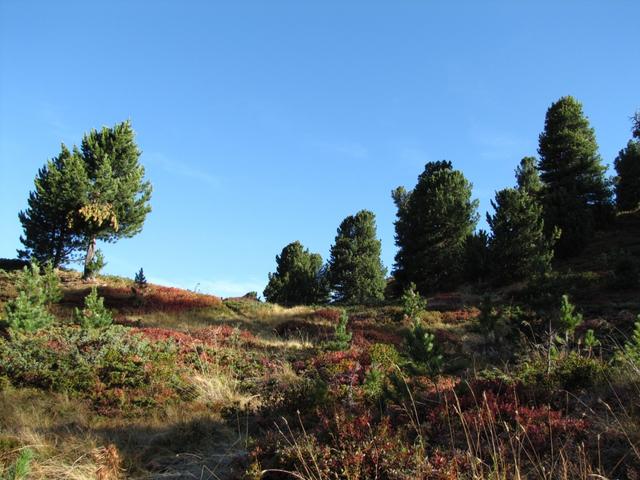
point(299, 279)
point(576, 195)
point(356, 273)
point(432, 226)
point(527, 176)
point(95, 193)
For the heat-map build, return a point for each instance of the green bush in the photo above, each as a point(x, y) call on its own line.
point(568, 319)
point(109, 365)
point(28, 311)
point(412, 302)
point(341, 337)
point(568, 371)
point(423, 350)
point(94, 314)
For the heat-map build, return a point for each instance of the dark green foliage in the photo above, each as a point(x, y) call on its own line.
point(433, 223)
point(299, 279)
point(527, 176)
point(636, 125)
point(627, 186)
point(488, 317)
point(423, 349)
point(111, 366)
point(28, 312)
point(117, 200)
point(60, 186)
point(575, 195)
point(626, 271)
point(341, 336)
point(568, 371)
point(140, 280)
point(518, 246)
point(477, 257)
point(94, 314)
point(80, 197)
point(356, 273)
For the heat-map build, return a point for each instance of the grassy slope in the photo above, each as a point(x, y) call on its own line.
point(252, 355)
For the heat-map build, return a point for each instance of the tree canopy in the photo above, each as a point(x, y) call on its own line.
point(299, 278)
point(432, 226)
point(97, 192)
point(576, 195)
point(356, 273)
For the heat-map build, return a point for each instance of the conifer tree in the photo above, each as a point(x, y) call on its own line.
point(117, 200)
point(627, 165)
point(527, 176)
point(299, 279)
point(356, 274)
point(80, 197)
point(576, 196)
point(477, 258)
point(518, 246)
point(433, 223)
point(60, 187)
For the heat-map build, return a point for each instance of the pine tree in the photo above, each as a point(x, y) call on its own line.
point(433, 223)
point(527, 176)
point(60, 188)
point(518, 246)
point(117, 202)
point(575, 195)
point(299, 279)
point(356, 274)
point(80, 197)
point(627, 165)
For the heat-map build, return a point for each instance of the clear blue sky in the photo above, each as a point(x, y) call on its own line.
point(269, 121)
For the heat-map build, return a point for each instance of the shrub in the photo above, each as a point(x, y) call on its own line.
point(96, 265)
point(28, 311)
point(568, 319)
point(632, 346)
point(412, 302)
point(423, 349)
point(342, 337)
point(487, 317)
point(94, 314)
point(110, 366)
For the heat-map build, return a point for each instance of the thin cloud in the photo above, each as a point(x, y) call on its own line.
point(183, 169)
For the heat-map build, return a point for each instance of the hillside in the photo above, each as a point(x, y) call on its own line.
point(186, 385)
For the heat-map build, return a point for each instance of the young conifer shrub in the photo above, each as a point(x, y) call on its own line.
point(94, 314)
point(28, 311)
point(569, 319)
point(423, 349)
point(140, 280)
point(341, 337)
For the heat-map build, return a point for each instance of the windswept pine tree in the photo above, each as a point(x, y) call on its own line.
point(299, 279)
point(627, 165)
point(576, 196)
point(60, 187)
point(432, 226)
point(356, 273)
point(80, 197)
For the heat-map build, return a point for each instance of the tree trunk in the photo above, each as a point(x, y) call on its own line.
point(91, 251)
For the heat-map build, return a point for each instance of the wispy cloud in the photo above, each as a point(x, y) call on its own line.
point(181, 168)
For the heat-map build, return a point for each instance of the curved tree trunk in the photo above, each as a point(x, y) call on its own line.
point(91, 251)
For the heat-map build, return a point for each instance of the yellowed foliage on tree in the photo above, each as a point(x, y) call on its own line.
point(98, 214)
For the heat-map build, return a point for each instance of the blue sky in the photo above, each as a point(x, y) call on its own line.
point(269, 121)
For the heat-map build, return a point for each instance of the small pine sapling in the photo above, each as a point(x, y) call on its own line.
point(28, 311)
point(488, 318)
point(568, 319)
point(590, 342)
point(412, 302)
point(94, 314)
point(140, 280)
point(341, 337)
point(632, 347)
point(423, 349)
